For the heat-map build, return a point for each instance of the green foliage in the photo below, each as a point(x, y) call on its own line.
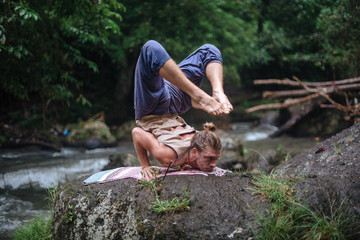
point(37, 229)
point(197, 22)
point(88, 129)
point(177, 204)
point(69, 215)
point(288, 219)
point(338, 23)
point(44, 45)
point(52, 195)
point(67, 60)
point(277, 189)
point(152, 184)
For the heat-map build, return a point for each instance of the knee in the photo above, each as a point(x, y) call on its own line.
point(211, 48)
point(152, 45)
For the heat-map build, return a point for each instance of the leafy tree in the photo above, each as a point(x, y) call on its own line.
point(339, 36)
point(43, 45)
point(313, 39)
point(182, 26)
point(58, 58)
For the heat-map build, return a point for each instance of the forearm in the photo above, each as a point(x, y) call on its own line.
point(142, 155)
point(140, 147)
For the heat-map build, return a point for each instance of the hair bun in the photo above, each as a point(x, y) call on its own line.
point(209, 127)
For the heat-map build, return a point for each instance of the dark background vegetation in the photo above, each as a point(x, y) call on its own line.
point(64, 61)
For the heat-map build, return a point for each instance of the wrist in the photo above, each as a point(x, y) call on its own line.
point(217, 92)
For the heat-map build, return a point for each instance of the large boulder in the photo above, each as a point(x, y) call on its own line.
point(325, 177)
point(220, 208)
point(328, 173)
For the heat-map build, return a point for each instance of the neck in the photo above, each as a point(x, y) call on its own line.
point(183, 159)
point(191, 161)
point(186, 162)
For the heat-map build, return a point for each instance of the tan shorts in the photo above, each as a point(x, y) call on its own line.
point(162, 127)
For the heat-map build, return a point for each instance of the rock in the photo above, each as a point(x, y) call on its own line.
point(122, 160)
point(319, 122)
point(325, 178)
point(232, 153)
point(124, 131)
point(220, 208)
point(264, 162)
point(90, 135)
point(329, 172)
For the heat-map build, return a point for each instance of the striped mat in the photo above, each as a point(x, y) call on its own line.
point(135, 172)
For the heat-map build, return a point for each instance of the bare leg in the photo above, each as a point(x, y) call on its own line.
point(214, 72)
point(199, 99)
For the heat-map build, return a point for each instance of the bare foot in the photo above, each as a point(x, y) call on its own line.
point(224, 102)
point(208, 104)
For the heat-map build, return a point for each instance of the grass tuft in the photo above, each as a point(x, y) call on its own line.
point(37, 229)
point(177, 204)
point(288, 219)
point(174, 205)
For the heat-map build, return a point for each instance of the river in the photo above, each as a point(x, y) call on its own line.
point(26, 174)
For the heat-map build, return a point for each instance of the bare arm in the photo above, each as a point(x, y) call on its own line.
point(146, 142)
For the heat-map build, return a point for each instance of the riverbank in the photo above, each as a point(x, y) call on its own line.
point(314, 194)
point(27, 173)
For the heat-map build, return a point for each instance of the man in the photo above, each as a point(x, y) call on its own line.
point(162, 91)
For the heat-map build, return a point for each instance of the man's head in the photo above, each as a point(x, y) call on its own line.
point(205, 148)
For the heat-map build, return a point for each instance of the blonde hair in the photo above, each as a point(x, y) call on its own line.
point(206, 138)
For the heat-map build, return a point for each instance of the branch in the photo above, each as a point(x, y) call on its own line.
point(302, 92)
point(287, 103)
point(323, 94)
point(291, 122)
point(285, 81)
point(292, 83)
point(317, 92)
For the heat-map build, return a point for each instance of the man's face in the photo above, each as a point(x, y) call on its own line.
point(206, 159)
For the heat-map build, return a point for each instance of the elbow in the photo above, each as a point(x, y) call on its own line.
point(136, 133)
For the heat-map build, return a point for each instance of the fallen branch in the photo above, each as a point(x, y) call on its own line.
point(316, 92)
point(323, 94)
point(286, 104)
point(291, 122)
point(292, 83)
point(302, 92)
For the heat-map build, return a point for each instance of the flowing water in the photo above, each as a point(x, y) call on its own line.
point(26, 174)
